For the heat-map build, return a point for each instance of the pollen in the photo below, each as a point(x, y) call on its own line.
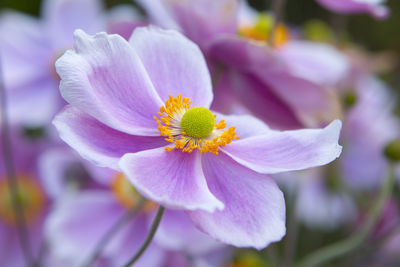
point(190, 128)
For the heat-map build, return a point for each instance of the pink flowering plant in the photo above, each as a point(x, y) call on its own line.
point(142, 107)
point(207, 133)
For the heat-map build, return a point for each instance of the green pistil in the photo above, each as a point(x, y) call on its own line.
point(198, 122)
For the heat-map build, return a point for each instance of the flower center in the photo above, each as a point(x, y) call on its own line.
point(189, 128)
point(30, 197)
point(261, 30)
point(127, 195)
point(198, 122)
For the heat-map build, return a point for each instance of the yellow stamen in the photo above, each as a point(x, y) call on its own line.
point(169, 125)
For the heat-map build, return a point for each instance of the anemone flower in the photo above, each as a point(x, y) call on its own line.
point(178, 153)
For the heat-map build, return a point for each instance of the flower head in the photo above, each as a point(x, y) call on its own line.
point(115, 89)
point(192, 128)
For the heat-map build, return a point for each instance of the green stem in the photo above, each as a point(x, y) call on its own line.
point(344, 247)
point(149, 237)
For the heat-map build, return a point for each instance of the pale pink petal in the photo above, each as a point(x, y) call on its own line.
point(373, 7)
point(63, 17)
point(316, 62)
point(288, 150)
point(104, 77)
point(254, 213)
point(245, 125)
point(174, 64)
point(173, 179)
point(96, 141)
point(201, 21)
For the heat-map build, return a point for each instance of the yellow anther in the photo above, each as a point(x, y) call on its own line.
point(198, 132)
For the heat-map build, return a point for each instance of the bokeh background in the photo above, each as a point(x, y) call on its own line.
point(382, 36)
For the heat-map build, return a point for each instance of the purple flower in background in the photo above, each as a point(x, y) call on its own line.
point(32, 196)
point(201, 21)
point(319, 204)
point(373, 7)
point(81, 219)
point(363, 165)
point(64, 171)
point(284, 85)
point(29, 47)
point(173, 153)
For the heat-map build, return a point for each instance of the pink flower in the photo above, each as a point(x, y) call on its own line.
point(178, 153)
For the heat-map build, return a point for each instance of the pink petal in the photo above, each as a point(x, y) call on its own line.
point(25, 50)
point(245, 125)
point(173, 179)
point(261, 100)
point(374, 8)
point(316, 62)
point(96, 141)
point(175, 64)
point(177, 232)
point(63, 17)
point(254, 213)
point(104, 77)
point(158, 12)
point(288, 150)
point(201, 21)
